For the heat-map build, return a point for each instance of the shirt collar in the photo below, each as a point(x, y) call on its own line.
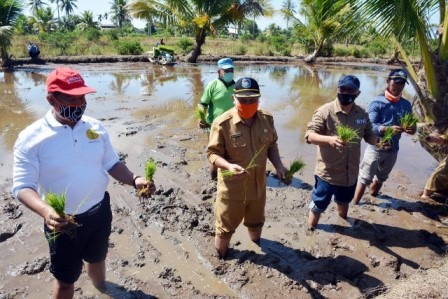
point(51, 120)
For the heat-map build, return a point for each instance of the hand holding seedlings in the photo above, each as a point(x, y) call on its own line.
point(54, 221)
point(296, 166)
point(233, 169)
point(145, 186)
point(409, 123)
point(346, 134)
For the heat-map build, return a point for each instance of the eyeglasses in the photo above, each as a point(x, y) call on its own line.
point(230, 70)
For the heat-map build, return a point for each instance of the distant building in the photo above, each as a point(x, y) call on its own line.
point(233, 32)
point(108, 26)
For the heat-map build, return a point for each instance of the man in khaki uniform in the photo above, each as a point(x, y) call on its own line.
point(337, 162)
point(241, 141)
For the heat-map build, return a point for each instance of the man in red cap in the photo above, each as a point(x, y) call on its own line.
point(68, 153)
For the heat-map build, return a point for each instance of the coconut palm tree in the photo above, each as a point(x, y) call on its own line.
point(288, 11)
point(10, 11)
point(34, 5)
point(404, 19)
point(120, 12)
point(68, 6)
point(57, 8)
point(44, 20)
point(204, 17)
point(325, 20)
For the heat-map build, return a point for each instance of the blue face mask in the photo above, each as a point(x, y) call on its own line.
point(227, 77)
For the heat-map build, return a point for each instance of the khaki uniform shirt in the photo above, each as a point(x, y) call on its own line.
point(240, 144)
point(339, 166)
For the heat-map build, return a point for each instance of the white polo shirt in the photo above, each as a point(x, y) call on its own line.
point(51, 157)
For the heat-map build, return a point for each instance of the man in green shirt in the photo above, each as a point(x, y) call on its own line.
point(217, 97)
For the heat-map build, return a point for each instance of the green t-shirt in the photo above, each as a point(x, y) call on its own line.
point(218, 98)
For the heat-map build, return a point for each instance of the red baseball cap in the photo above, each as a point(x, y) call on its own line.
point(67, 81)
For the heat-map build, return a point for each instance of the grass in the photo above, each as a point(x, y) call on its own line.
point(296, 166)
point(347, 134)
point(408, 121)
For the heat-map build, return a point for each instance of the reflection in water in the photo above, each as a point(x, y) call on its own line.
point(170, 94)
point(15, 114)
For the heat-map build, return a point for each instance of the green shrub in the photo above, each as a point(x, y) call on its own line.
point(59, 40)
point(185, 44)
point(245, 38)
point(95, 50)
point(342, 52)
point(113, 34)
point(129, 48)
point(92, 34)
point(262, 38)
point(240, 50)
point(263, 51)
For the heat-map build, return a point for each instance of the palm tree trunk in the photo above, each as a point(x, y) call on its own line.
point(200, 40)
point(312, 57)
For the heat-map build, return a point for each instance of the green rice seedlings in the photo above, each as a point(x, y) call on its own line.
point(385, 141)
point(229, 173)
point(297, 165)
point(408, 121)
point(57, 202)
point(201, 115)
point(347, 134)
point(150, 170)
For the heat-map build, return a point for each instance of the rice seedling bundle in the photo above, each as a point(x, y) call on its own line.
point(57, 202)
point(150, 170)
point(408, 121)
point(347, 134)
point(296, 166)
point(201, 115)
point(384, 142)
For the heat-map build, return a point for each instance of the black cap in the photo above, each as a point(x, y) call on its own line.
point(398, 75)
point(246, 87)
point(349, 81)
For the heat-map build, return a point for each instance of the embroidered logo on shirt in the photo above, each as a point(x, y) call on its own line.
point(92, 134)
point(361, 121)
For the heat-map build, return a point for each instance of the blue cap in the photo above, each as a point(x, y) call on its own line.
point(349, 81)
point(225, 63)
point(246, 87)
point(398, 75)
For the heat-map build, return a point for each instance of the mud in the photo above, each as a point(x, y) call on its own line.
point(162, 247)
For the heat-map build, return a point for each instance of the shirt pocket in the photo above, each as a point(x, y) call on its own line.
point(266, 137)
point(237, 141)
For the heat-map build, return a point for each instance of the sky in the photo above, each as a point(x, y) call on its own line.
point(102, 6)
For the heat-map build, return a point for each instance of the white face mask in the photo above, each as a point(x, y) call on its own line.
point(227, 77)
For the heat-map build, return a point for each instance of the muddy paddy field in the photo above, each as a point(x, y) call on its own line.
point(162, 247)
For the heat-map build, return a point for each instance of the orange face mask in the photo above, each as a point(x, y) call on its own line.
point(391, 97)
point(246, 111)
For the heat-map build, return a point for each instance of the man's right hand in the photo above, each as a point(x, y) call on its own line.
point(203, 125)
point(53, 220)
